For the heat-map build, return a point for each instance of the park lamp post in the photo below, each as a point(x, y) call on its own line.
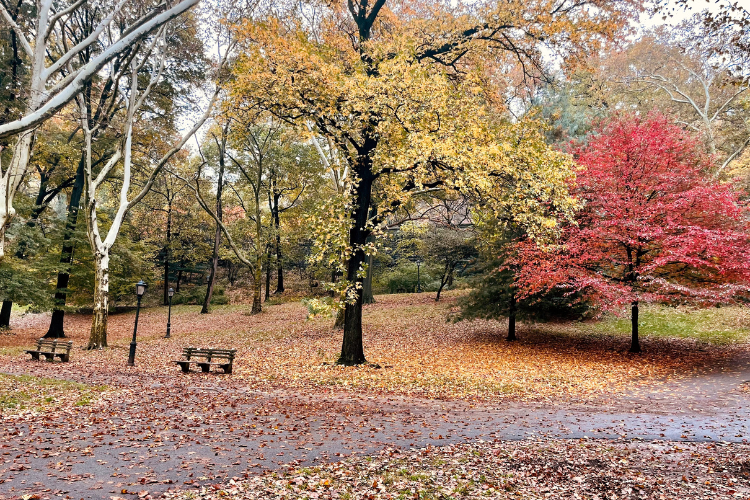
point(169, 315)
point(419, 283)
point(140, 289)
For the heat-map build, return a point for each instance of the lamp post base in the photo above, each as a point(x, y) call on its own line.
point(131, 358)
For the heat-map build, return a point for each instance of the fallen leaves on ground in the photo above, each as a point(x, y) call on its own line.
point(418, 352)
point(551, 469)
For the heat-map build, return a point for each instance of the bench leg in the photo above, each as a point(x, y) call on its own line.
point(49, 356)
point(34, 356)
point(205, 367)
point(227, 368)
point(65, 358)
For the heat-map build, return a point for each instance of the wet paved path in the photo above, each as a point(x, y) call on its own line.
point(206, 429)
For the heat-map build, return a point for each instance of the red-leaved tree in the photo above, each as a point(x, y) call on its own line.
point(653, 227)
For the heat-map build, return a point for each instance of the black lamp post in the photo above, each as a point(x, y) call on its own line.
point(419, 283)
point(169, 315)
point(140, 289)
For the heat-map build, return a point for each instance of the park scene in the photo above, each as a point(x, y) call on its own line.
point(374, 249)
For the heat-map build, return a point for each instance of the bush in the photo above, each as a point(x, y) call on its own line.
point(219, 297)
point(196, 294)
point(490, 299)
point(403, 279)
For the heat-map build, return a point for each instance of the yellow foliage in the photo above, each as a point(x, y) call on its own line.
point(412, 96)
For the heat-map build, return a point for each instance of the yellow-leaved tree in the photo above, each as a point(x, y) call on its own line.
point(412, 96)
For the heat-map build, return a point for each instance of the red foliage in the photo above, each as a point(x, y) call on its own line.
point(654, 225)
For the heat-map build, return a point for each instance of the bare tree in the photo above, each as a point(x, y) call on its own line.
point(703, 73)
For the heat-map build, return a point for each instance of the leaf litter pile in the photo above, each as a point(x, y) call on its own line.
point(578, 469)
point(411, 348)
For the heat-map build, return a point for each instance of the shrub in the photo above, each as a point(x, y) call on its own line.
point(403, 279)
point(490, 299)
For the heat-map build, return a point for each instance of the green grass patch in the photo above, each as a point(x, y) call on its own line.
point(25, 392)
point(12, 351)
point(716, 325)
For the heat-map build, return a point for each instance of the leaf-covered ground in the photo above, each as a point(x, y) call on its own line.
point(554, 469)
point(155, 430)
point(417, 350)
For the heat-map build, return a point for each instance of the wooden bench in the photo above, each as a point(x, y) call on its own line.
point(51, 348)
point(208, 358)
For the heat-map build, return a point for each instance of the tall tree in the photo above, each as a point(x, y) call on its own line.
point(406, 96)
point(52, 165)
point(699, 75)
point(99, 98)
point(251, 144)
point(151, 60)
point(221, 156)
point(293, 167)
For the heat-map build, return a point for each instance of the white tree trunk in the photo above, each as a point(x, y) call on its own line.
point(52, 87)
point(98, 336)
point(9, 182)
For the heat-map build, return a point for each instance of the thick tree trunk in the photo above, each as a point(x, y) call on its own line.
point(56, 327)
point(98, 335)
point(352, 350)
point(635, 345)
point(512, 317)
point(5, 314)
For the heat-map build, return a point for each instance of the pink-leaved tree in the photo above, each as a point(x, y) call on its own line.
point(653, 227)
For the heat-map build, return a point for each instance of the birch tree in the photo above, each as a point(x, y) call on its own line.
point(154, 56)
point(55, 73)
